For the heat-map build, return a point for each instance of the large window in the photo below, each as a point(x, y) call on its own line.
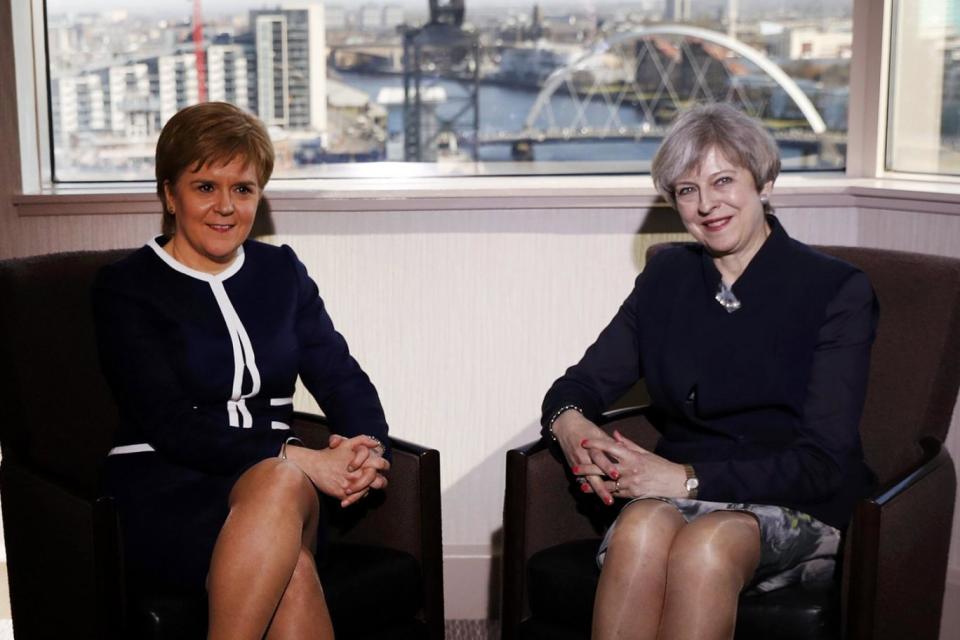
point(923, 122)
point(482, 87)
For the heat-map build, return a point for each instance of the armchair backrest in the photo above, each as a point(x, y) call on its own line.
point(56, 412)
point(915, 362)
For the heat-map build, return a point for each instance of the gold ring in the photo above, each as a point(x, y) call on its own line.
point(616, 486)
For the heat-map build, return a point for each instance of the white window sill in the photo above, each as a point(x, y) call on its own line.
point(815, 190)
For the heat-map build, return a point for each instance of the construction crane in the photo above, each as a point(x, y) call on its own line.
point(441, 50)
point(198, 52)
point(447, 12)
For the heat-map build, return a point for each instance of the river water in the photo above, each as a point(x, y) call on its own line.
point(505, 109)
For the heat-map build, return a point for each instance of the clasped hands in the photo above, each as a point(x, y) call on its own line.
point(614, 466)
point(347, 469)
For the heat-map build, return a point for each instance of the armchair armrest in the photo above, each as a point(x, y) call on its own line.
point(893, 578)
point(405, 517)
point(539, 511)
point(541, 508)
point(623, 413)
point(62, 557)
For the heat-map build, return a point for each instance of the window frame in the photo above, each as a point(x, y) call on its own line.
point(886, 153)
point(865, 148)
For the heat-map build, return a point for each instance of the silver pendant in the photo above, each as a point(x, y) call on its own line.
point(726, 298)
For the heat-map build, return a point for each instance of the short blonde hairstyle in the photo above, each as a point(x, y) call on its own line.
point(741, 139)
point(209, 132)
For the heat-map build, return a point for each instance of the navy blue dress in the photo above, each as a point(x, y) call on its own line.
point(764, 402)
point(203, 369)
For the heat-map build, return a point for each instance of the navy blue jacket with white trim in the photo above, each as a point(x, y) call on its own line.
point(203, 366)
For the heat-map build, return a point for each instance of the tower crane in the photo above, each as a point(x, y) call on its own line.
point(198, 52)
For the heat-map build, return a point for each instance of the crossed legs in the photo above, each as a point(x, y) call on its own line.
point(663, 578)
point(262, 578)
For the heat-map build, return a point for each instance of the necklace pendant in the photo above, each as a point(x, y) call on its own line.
point(726, 298)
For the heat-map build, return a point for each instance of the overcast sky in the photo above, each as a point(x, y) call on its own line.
point(218, 7)
point(212, 7)
point(226, 5)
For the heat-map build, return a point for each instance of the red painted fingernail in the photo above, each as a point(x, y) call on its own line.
point(614, 474)
point(585, 488)
point(576, 469)
point(583, 442)
point(608, 501)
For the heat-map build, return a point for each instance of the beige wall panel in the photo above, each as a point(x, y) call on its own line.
point(822, 226)
point(27, 236)
point(463, 319)
point(911, 231)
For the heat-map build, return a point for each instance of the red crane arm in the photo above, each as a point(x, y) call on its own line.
point(198, 52)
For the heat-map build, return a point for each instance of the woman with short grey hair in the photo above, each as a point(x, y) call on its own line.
point(720, 126)
point(755, 350)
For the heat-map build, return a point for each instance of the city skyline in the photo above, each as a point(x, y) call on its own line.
point(244, 5)
point(116, 78)
point(211, 7)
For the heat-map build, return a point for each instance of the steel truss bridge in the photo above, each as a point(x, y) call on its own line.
point(632, 85)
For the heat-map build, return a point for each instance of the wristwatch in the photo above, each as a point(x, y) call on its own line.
point(692, 484)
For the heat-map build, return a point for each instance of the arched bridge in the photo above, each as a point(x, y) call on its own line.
point(633, 84)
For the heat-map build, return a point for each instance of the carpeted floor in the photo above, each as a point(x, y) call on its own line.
point(470, 630)
point(6, 624)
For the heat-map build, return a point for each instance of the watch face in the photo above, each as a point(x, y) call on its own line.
point(692, 483)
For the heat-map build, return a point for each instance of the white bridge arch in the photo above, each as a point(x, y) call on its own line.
point(564, 75)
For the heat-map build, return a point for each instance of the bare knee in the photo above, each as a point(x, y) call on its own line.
point(646, 528)
point(276, 484)
point(722, 547)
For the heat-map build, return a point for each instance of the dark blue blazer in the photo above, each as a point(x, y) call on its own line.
point(203, 367)
point(764, 402)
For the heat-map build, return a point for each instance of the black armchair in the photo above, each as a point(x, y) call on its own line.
point(63, 542)
point(895, 549)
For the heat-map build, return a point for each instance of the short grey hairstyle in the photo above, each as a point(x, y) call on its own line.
point(741, 139)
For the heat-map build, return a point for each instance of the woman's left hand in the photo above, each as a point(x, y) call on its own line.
point(367, 468)
point(642, 473)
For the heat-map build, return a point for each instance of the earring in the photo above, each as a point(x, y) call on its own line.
point(764, 199)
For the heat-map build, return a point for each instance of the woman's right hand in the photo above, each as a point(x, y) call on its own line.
point(367, 458)
point(572, 430)
point(331, 470)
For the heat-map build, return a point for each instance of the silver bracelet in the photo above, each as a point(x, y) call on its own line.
point(382, 449)
point(291, 440)
point(566, 407)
